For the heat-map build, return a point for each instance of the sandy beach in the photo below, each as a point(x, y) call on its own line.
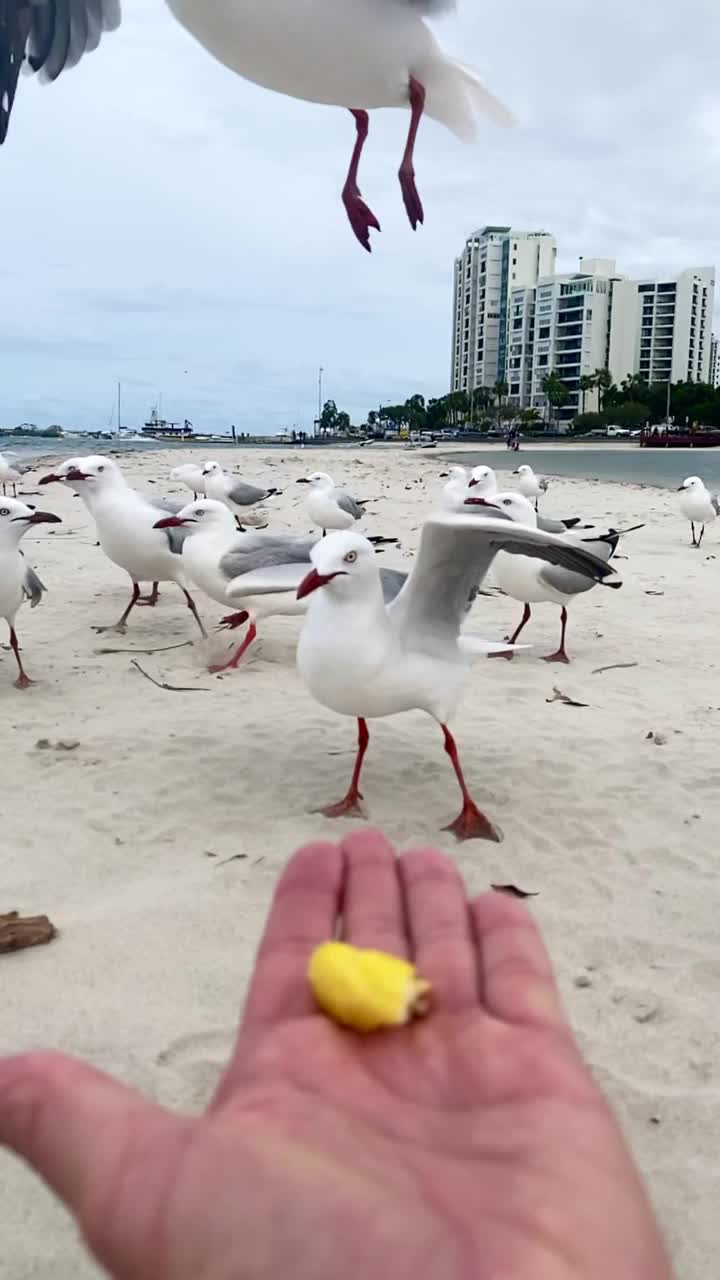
point(154, 843)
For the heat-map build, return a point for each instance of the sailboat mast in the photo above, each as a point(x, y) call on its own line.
point(119, 407)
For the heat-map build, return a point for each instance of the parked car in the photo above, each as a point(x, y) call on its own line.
point(613, 432)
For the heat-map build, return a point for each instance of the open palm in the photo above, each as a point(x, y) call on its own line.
point(473, 1144)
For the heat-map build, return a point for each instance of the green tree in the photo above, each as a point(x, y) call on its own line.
point(583, 423)
point(529, 417)
point(556, 393)
point(342, 422)
point(587, 383)
point(602, 379)
point(632, 414)
point(328, 418)
point(415, 413)
point(500, 390)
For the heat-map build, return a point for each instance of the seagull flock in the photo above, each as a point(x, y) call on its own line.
point(374, 640)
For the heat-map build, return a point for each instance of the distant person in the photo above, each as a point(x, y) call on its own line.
point(474, 1143)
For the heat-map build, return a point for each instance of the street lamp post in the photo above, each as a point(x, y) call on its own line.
point(319, 417)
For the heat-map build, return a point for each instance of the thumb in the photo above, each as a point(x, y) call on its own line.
point(93, 1141)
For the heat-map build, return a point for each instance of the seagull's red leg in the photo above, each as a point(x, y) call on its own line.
point(470, 823)
point(153, 598)
point(23, 681)
point(560, 655)
point(361, 218)
point(511, 639)
point(406, 174)
point(119, 626)
point(248, 638)
point(193, 609)
point(351, 805)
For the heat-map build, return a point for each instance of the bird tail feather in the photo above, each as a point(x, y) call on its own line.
point(456, 96)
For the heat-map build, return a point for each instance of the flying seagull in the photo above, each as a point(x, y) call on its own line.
point(358, 54)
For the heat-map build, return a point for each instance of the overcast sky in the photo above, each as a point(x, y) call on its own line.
point(167, 224)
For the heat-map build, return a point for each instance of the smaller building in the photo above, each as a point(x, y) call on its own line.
point(560, 327)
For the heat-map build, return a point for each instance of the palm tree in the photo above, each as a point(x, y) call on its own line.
point(501, 389)
point(556, 392)
point(528, 417)
point(586, 383)
point(602, 379)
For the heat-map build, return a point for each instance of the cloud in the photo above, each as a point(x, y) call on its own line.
point(170, 225)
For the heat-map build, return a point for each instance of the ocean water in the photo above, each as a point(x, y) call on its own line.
point(661, 468)
point(28, 447)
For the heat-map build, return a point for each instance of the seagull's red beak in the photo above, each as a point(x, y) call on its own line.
point(471, 483)
point(40, 517)
point(51, 479)
point(312, 581)
point(171, 522)
point(74, 474)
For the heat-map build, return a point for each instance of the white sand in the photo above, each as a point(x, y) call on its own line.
point(157, 937)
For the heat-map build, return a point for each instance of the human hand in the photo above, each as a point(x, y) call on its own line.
point(473, 1144)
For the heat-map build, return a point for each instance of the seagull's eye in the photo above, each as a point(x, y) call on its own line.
point(4, 512)
point(200, 511)
point(507, 502)
point(351, 557)
point(100, 469)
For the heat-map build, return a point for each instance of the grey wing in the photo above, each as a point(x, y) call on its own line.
point(245, 495)
point(454, 556)
point(573, 584)
point(33, 587)
point(549, 525)
point(257, 551)
point(52, 35)
point(428, 7)
point(170, 506)
point(347, 503)
point(176, 538)
point(544, 484)
point(392, 581)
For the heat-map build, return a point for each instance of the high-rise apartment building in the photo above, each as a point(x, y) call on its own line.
point(495, 261)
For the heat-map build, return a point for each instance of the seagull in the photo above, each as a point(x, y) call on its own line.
point(125, 522)
point(483, 480)
point(363, 658)
point(483, 483)
point(191, 476)
point(225, 563)
point(530, 485)
point(238, 496)
point(698, 505)
point(532, 582)
point(18, 582)
point(83, 490)
point(455, 491)
point(329, 507)
point(10, 470)
point(358, 54)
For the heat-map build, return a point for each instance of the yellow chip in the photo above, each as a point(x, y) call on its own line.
point(366, 990)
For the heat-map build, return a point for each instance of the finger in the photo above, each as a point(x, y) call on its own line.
point(303, 914)
point(373, 909)
point(439, 927)
point(80, 1130)
point(516, 975)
